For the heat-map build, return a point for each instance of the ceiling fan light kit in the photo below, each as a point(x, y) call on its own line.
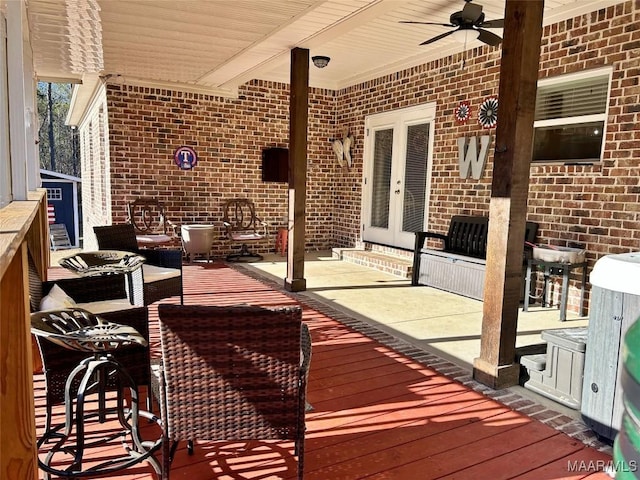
point(465, 35)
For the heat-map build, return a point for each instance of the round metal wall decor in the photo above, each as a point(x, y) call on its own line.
point(185, 158)
point(462, 112)
point(488, 112)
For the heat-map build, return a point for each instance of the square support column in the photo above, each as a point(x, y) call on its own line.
point(298, 120)
point(496, 365)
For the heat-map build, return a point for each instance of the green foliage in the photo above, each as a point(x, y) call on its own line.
point(58, 143)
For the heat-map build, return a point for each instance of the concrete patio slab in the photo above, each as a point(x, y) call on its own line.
point(443, 323)
point(435, 321)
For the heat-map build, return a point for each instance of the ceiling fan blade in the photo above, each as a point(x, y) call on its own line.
point(493, 24)
point(427, 23)
point(435, 39)
point(472, 12)
point(489, 38)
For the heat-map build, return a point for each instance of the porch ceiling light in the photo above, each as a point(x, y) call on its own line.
point(320, 61)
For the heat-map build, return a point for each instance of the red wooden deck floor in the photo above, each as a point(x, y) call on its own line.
point(377, 413)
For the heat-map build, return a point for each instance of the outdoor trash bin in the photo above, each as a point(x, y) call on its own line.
point(615, 305)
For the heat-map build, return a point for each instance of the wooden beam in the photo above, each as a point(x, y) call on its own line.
point(298, 120)
point(509, 191)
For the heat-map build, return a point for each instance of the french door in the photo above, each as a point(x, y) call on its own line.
point(397, 171)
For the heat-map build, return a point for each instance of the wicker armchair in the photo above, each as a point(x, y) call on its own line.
point(162, 271)
point(241, 377)
point(58, 362)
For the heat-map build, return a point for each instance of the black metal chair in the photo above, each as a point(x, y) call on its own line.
point(243, 226)
point(149, 219)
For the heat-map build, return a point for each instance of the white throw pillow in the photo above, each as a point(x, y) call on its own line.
point(57, 299)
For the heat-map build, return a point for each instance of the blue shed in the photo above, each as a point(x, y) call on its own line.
point(62, 195)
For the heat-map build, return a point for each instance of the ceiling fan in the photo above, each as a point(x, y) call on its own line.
point(470, 18)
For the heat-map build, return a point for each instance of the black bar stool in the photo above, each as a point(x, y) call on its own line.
point(80, 330)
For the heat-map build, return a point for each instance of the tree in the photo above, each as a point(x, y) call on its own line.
point(58, 143)
point(51, 118)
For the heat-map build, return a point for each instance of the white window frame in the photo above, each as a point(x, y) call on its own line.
point(54, 193)
point(601, 117)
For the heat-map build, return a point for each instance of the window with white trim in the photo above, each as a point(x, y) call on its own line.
point(571, 117)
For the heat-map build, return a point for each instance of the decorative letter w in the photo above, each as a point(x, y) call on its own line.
point(468, 156)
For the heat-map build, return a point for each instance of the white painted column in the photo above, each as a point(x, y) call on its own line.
point(17, 105)
point(31, 121)
point(5, 156)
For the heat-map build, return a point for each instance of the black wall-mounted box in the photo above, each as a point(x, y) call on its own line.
point(275, 165)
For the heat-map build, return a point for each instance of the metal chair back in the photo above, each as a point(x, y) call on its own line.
point(148, 217)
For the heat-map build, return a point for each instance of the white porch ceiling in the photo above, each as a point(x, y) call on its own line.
point(215, 45)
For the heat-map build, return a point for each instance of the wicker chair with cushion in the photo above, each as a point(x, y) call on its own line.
point(104, 295)
point(162, 271)
point(242, 226)
point(233, 373)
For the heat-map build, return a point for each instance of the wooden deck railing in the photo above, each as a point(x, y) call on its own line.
point(23, 231)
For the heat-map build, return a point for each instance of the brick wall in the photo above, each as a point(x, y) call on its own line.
point(147, 125)
point(596, 206)
point(592, 205)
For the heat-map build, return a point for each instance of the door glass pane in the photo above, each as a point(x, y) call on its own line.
point(415, 178)
point(381, 181)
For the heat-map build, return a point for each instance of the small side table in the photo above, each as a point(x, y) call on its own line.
point(550, 269)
